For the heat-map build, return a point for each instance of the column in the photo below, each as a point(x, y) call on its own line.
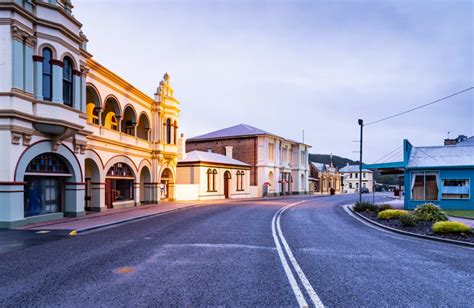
point(77, 91)
point(18, 68)
point(57, 81)
point(84, 72)
point(98, 197)
point(100, 115)
point(29, 69)
point(38, 65)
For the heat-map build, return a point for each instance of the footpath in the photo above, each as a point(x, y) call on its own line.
point(96, 220)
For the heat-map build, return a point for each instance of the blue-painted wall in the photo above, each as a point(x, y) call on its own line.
point(444, 173)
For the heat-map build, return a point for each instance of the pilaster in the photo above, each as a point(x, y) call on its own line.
point(77, 91)
point(38, 67)
point(57, 81)
point(18, 68)
point(29, 70)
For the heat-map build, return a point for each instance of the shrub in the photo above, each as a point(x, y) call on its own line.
point(391, 214)
point(450, 227)
point(408, 220)
point(364, 206)
point(430, 212)
point(383, 207)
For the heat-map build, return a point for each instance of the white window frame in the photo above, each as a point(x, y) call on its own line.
point(424, 173)
point(456, 179)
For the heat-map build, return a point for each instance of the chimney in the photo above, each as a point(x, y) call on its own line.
point(228, 151)
point(181, 147)
point(450, 141)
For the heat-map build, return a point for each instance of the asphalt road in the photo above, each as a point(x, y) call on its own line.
point(227, 255)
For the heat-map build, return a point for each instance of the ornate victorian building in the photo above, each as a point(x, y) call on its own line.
point(324, 178)
point(74, 135)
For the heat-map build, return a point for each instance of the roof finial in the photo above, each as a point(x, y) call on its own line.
point(166, 76)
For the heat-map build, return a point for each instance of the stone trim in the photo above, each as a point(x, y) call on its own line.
point(38, 58)
point(57, 62)
point(76, 73)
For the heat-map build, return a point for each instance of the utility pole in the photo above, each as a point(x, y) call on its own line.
point(361, 123)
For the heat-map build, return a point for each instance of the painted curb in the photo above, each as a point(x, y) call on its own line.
point(426, 237)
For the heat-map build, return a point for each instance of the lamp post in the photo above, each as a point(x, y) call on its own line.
point(361, 124)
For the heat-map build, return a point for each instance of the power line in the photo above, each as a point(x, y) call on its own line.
point(387, 155)
point(419, 107)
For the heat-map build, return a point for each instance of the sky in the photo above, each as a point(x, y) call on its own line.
point(289, 66)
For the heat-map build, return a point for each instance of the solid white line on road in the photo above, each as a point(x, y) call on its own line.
point(291, 278)
point(306, 284)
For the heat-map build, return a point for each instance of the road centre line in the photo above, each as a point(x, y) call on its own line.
point(304, 280)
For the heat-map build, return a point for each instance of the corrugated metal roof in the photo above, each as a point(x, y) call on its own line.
point(200, 156)
point(461, 154)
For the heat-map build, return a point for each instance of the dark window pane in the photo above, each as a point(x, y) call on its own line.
point(47, 87)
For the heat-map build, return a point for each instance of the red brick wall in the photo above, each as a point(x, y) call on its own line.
point(244, 149)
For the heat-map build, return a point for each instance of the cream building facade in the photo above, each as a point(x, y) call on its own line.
point(211, 176)
point(279, 166)
point(350, 179)
point(75, 136)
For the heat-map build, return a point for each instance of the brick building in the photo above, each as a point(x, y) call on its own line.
point(278, 166)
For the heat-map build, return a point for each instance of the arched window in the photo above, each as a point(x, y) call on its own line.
point(47, 74)
point(210, 180)
point(214, 174)
point(168, 131)
point(67, 82)
point(240, 180)
point(175, 132)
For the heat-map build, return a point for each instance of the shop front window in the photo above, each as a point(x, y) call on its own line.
point(424, 186)
point(455, 189)
point(44, 184)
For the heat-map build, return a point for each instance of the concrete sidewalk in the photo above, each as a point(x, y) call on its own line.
point(96, 220)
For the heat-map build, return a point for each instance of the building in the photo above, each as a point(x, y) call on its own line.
point(278, 166)
point(350, 179)
point(74, 135)
point(207, 175)
point(443, 175)
point(324, 178)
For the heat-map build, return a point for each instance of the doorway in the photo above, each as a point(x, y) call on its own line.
point(227, 177)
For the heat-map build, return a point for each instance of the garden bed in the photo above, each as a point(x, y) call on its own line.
point(422, 227)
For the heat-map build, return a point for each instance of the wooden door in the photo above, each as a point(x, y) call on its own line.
point(108, 193)
point(226, 184)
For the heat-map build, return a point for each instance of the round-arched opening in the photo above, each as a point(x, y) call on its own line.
point(93, 184)
point(129, 121)
point(111, 114)
point(92, 105)
point(167, 185)
point(145, 186)
point(45, 178)
point(143, 128)
point(119, 188)
point(227, 183)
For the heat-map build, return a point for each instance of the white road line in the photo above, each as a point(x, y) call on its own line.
point(306, 284)
point(291, 278)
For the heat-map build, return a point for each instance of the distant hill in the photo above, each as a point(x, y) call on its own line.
point(341, 162)
point(337, 161)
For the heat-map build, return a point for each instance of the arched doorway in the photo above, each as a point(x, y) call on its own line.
point(45, 177)
point(227, 178)
point(119, 188)
point(93, 185)
point(145, 186)
point(167, 185)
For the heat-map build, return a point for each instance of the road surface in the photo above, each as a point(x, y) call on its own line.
point(241, 254)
